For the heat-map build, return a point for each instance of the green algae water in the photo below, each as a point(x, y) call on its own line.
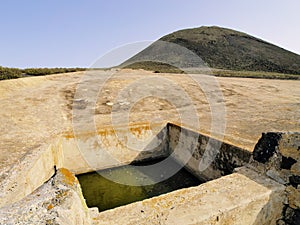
point(106, 194)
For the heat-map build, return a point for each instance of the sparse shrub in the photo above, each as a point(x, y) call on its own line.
point(9, 73)
point(48, 71)
point(12, 73)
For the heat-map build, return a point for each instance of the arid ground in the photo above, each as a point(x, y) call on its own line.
point(35, 109)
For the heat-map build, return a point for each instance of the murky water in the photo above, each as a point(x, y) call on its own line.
point(106, 194)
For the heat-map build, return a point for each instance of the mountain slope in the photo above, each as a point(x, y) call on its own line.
point(223, 48)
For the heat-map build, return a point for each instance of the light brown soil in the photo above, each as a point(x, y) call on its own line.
point(33, 110)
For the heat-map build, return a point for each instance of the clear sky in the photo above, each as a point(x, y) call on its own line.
point(73, 33)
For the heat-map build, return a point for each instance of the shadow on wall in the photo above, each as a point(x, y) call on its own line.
point(270, 162)
point(177, 142)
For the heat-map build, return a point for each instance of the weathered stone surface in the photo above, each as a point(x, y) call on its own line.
point(293, 197)
point(292, 216)
point(30, 173)
point(279, 151)
point(266, 147)
point(295, 169)
point(295, 180)
point(36, 111)
point(244, 198)
point(59, 201)
point(194, 150)
point(113, 146)
point(278, 156)
point(43, 106)
point(289, 145)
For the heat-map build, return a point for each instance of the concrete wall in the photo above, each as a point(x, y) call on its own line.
point(30, 173)
point(245, 197)
point(83, 153)
point(237, 199)
point(58, 201)
point(205, 157)
point(266, 191)
point(111, 147)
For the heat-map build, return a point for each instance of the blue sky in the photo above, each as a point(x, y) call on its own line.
point(61, 33)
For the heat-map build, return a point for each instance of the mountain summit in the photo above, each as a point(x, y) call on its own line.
point(224, 48)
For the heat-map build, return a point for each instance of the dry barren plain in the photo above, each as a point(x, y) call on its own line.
point(34, 110)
